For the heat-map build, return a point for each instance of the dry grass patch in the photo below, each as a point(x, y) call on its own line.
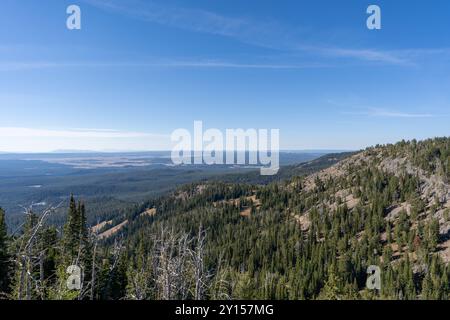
point(108, 233)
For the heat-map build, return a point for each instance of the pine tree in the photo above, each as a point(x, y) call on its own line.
point(76, 243)
point(71, 236)
point(427, 287)
point(331, 290)
point(85, 245)
point(244, 287)
point(4, 256)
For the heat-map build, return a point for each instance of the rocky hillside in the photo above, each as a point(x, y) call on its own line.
point(415, 177)
point(313, 236)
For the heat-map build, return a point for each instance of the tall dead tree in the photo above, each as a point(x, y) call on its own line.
point(171, 265)
point(94, 271)
point(28, 257)
point(198, 263)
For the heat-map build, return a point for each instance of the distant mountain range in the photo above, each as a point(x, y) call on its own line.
point(75, 151)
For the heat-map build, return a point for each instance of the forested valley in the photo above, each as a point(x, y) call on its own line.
point(308, 236)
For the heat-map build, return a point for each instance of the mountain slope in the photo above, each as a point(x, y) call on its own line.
point(314, 236)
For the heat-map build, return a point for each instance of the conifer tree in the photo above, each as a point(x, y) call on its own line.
point(4, 256)
point(71, 234)
point(76, 245)
point(331, 290)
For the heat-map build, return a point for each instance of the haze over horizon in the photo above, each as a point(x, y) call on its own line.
point(75, 151)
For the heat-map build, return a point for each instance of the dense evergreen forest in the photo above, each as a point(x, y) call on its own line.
point(309, 236)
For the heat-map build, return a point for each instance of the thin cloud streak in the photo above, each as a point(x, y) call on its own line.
point(271, 35)
point(18, 66)
point(385, 113)
point(21, 139)
point(197, 20)
point(9, 132)
point(395, 114)
point(367, 55)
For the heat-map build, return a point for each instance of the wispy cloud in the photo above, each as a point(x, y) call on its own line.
point(396, 114)
point(30, 65)
point(367, 55)
point(22, 139)
point(386, 113)
point(288, 41)
point(198, 20)
point(268, 34)
point(9, 132)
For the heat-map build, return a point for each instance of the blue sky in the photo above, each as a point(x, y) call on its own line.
point(137, 70)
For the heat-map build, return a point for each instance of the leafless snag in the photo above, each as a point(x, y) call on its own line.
point(27, 258)
point(201, 277)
